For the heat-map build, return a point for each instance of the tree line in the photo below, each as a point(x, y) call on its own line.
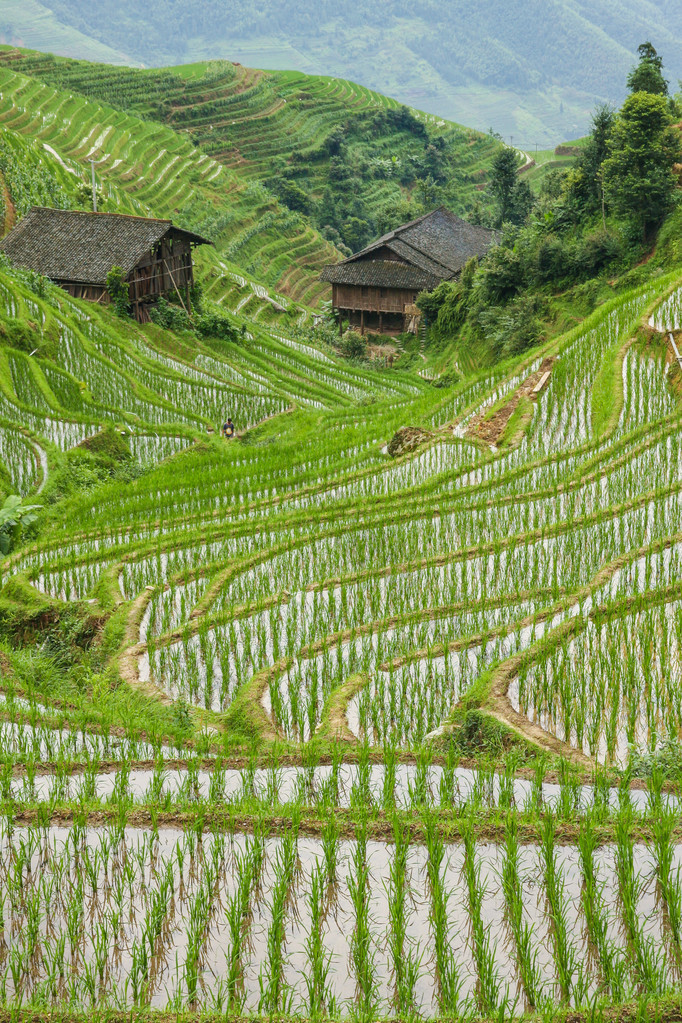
point(597, 218)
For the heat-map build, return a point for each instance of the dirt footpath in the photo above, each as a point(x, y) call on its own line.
point(490, 430)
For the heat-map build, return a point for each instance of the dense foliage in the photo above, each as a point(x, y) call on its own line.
point(585, 223)
point(15, 516)
point(117, 288)
point(643, 147)
point(28, 181)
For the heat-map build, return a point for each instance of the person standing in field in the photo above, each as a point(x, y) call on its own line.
point(228, 428)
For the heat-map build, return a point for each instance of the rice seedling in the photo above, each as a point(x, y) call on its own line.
point(362, 950)
point(647, 957)
point(526, 951)
point(320, 1001)
point(448, 979)
point(274, 995)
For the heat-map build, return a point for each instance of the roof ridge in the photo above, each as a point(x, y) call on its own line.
point(417, 220)
point(397, 232)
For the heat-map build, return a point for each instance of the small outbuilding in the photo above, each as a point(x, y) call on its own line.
point(77, 250)
point(375, 289)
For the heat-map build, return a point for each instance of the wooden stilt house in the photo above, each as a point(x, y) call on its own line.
point(375, 289)
point(77, 250)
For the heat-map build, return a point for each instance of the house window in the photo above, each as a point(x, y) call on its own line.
point(382, 292)
point(365, 290)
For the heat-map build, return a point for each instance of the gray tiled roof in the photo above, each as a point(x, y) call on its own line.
point(380, 273)
point(70, 245)
point(437, 243)
point(409, 254)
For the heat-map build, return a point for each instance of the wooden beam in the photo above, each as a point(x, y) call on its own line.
point(175, 285)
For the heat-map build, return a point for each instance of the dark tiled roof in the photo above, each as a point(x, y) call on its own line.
point(438, 243)
point(380, 273)
point(69, 245)
point(408, 254)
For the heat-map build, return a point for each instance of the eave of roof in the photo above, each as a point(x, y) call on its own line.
point(380, 273)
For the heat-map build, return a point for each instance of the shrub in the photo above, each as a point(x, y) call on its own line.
point(109, 444)
point(292, 195)
point(353, 345)
point(170, 317)
point(31, 279)
point(552, 260)
point(14, 517)
point(595, 252)
point(667, 759)
point(513, 329)
point(431, 302)
point(335, 140)
point(117, 286)
point(501, 275)
point(218, 325)
point(19, 334)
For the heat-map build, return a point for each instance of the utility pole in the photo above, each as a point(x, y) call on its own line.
point(94, 187)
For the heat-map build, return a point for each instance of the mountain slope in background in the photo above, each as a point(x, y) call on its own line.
point(534, 68)
point(351, 162)
point(42, 29)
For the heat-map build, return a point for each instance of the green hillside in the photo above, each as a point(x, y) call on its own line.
point(296, 648)
point(354, 163)
point(534, 70)
point(374, 711)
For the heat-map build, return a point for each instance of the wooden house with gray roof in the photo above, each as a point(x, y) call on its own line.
point(77, 250)
point(375, 289)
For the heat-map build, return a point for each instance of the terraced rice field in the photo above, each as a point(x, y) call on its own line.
point(363, 734)
point(244, 117)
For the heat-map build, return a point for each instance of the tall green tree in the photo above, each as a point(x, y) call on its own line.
point(638, 174)
point(503, 183)
point(583, 192)
point(512, 195)
point(647, 75)
point(589, 165)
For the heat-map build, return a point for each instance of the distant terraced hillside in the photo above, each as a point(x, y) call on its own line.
point(354, 162)
point(149, 168)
